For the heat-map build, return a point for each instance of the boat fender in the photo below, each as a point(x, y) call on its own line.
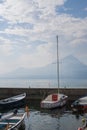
point(27, 109)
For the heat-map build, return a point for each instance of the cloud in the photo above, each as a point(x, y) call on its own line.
point(32, 21)
point(85, 9)
point(27, 10)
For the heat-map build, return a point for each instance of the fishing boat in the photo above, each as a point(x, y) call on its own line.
point(56, 99)
point(11, 120)
point(80, 104)
point(12, 102)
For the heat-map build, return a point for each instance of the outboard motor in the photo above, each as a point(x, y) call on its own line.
point(15, 111)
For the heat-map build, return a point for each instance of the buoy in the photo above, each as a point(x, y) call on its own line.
point(27, 110)
point(7, 127)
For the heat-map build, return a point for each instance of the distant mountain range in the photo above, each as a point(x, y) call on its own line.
point(69, 67)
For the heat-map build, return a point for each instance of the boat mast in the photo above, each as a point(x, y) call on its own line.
point(57, 64)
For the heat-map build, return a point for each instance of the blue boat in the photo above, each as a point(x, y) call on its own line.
point(11, 120)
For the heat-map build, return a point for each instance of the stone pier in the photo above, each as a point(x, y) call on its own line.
point(40, 93)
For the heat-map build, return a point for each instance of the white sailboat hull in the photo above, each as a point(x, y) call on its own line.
point(50, 104)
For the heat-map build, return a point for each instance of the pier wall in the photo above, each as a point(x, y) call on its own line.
point(41, 93)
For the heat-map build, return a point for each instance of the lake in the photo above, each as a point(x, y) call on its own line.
point(57, 119)
point(42, 83)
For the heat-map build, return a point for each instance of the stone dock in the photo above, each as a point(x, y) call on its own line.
point(40, 93)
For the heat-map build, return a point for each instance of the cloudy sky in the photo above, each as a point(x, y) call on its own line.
point(28, 30)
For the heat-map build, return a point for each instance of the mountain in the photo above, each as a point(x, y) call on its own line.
point(69, 67)
point(72, 68)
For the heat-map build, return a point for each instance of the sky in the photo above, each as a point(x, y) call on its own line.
point(28, 30)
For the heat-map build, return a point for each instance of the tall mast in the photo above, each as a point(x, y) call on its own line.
point(57, 64)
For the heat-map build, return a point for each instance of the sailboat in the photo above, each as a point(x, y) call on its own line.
point(56, 99)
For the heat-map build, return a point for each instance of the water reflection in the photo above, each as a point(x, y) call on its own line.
point(57, 113)
point(41, 120)
point(56, 119)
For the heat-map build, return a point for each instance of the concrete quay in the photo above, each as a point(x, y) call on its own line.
point(40, 93)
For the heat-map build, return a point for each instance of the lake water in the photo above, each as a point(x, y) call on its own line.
point(58, 119)
point(42, 83)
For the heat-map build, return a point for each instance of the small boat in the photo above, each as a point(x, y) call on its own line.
point(56, 99)
point(80, 104)
point(11, 120)
point(12, 102)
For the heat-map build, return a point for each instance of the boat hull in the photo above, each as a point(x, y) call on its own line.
point(12, 105)
point(19, 124)
point(80, 104)
point(79, 107)
point(53, 104)
point(13, 102)
point(13, 121)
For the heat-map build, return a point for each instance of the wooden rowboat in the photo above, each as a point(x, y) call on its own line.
point(11, 120)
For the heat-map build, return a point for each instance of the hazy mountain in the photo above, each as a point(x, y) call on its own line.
point(70, 67)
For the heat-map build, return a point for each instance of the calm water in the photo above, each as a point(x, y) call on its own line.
point(42, 83)
point(58, 119)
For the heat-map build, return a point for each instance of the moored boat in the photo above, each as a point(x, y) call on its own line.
point(11, 120)
point(80, 104)
point(56, 99)
point(12, 102)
